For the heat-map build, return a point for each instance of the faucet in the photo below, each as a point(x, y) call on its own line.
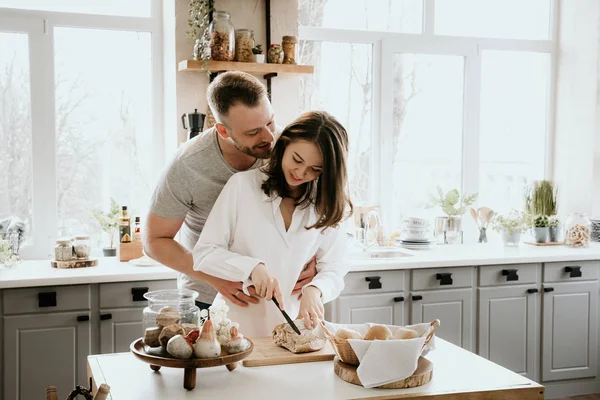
point(365, 222)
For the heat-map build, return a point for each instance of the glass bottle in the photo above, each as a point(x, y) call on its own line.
point(289, 49)
point(244, 42)
point(578, 230)
point(275, 54)
point(222, 37)
point(137, 230)
point(170, 306)
point(124, 226)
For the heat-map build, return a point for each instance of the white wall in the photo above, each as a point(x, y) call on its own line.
point(577, 117)
point(191, 86)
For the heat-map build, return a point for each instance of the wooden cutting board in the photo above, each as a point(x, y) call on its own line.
point(420, 377)
point(268, 353)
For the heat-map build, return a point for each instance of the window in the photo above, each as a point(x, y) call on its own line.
point(129, 8)
point(459, 96)
point(89, 135)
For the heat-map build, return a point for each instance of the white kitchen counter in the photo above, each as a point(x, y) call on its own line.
point(40, 273)
point(457, 374)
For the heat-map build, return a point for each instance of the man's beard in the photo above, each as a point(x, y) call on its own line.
point(255, 151)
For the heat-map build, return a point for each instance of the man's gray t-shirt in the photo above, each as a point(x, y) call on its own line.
point(189, 188)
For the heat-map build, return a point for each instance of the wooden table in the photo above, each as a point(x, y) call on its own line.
point(457, 375)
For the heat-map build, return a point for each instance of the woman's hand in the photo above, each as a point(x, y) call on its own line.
point(311, 307)
point(266, 286)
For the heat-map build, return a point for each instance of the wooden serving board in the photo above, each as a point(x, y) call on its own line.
point(421, 376)
point(545, 244)
point(266, 352)
point(90, 262)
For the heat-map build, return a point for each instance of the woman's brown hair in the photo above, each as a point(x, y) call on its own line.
point(329, 192)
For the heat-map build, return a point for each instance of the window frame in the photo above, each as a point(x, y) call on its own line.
point(39, 25)
point(386, 44)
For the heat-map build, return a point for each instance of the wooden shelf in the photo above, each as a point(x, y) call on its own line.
point(251, 68)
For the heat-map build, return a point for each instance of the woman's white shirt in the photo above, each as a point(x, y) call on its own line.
point(245, 228)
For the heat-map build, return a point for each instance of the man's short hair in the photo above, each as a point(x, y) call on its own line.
point(231, 88)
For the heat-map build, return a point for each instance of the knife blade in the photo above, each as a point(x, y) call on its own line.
point(287, 317)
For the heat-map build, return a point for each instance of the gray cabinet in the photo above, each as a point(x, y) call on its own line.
point(570, 330)
point(118, 328)
point(383, 308)
point(509, 321)
point(454, 310)
point(45, 349)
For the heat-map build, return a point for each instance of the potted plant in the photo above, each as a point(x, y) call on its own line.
point(511, 225)
point(541, 228)
point(553, 223)
point(109, 221)
point(454, 205)
point(257, 54)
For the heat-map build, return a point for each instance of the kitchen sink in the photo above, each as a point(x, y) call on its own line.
point(386, 254)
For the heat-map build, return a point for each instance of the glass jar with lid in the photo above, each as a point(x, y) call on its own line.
point(63, 250)
point(82, 246)
point(244, 42)
point(222, 37)
point(578, 230)
point(289, 49)
point(275, 54)
point(169, 307)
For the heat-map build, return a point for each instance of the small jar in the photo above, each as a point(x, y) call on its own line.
point(170, 306)
point(244, 42)
point(82, 246)
point(275, 54)
point(63, 251)
point(222, 37)
point(578, 230)
point(289, 49)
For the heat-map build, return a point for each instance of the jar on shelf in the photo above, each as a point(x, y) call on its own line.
point(244, 42)
point(170, 306)
point(63, 250)
point(275, 54)
point(82, 246)
point(222, 37)
point(289, 49)
point(578, 230)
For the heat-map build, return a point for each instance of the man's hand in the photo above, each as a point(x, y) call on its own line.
point(307, 275)
point(233, 291)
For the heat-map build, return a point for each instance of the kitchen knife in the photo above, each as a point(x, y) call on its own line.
point(287, 317)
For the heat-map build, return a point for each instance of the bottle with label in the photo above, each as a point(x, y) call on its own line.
point(137, 230)
point(124, 226)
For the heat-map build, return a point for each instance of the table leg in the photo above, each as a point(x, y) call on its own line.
point(189, 378)
point(155, 368)
point(232, 366)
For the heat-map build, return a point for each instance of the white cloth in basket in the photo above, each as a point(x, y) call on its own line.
point(386, 361)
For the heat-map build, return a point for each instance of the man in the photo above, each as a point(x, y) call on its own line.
point(242, 138)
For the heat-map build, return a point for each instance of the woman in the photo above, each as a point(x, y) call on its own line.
point(267, 223)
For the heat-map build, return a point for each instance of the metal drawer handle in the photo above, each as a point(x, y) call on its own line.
point(532, 290)
point(574, 272)
point(47, 299)
point(398, 299)
point(138, 293)
point(510, 274)
point(548, 289)
point(415, 298)
point(104, 317)
point(374, 282)
point(83, 318)
point(445, 278)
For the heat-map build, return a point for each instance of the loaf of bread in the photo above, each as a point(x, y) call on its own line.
point(307, 341)
point(378, 332)
point(345, 333)
point(404, 333)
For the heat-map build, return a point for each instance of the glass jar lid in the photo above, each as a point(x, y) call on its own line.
point(82, 237)
point(248, 32)
point(63, 241)
point(221, 14)
point(170, 296)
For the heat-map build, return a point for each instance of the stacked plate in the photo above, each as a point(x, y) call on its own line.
point(416, 234)
point(595, 229)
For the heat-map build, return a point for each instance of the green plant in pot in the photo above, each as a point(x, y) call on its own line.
point(541, 228)
point(257, 54)
point(553, 231)
point(511, 225)
point(109, 222)
point(454, 205)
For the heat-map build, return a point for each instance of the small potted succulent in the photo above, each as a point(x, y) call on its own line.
point(257, 54)
point(541, 228)
point(109, 222)
point(553, 223)
point(511, 225)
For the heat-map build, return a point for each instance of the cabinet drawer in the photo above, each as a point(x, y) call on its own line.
point(130, 294)
point(436, 278)
point(512, 274)
point(47, 299)
point(373, 282)
point(570, 271)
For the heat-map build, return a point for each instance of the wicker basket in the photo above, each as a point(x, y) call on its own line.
point(346, 354)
